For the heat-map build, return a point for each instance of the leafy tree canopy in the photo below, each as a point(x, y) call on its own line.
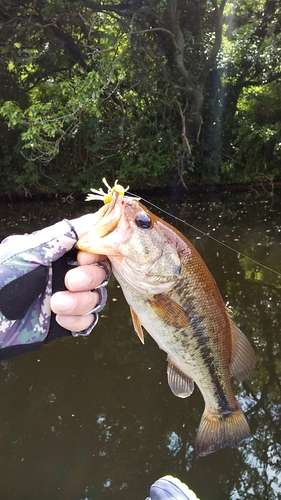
point(149, 91)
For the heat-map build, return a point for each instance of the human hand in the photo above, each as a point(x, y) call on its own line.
point(73, 307)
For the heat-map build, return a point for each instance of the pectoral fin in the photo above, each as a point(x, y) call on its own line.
point(243, 358)
point(137, 325)
point(169, 311)
point(180, 384)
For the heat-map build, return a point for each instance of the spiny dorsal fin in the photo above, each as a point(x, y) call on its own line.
point(180, 384)
point(243, 358)
point(169, 311)
point(137, 325)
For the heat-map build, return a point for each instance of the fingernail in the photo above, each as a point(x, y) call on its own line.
point(57, 320)
point(66, 304)
point(79, 280)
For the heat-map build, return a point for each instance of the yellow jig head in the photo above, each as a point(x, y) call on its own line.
point(99, 194)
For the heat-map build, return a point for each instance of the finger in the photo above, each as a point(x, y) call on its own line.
point(83, 224)
point(74, 304)
point(75, 323)
point(84, 258)
point(84, 277)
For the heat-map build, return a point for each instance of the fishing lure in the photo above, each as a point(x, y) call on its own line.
point(99, 194)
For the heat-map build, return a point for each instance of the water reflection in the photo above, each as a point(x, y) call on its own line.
point(94, 418)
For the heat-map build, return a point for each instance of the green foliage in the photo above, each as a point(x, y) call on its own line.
point(251, 58)
point(154, 93)
point(257, 126)
point(55, 112)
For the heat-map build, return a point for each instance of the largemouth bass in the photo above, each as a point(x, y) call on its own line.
point(172, 294)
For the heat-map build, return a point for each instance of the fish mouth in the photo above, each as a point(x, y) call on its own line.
point(109, 217)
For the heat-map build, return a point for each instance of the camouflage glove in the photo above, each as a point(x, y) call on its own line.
point(32, 268)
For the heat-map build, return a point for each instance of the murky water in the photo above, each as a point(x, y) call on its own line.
point(93, 418)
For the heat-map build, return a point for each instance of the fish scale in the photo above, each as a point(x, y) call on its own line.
point(200, 335)
point(173, 296)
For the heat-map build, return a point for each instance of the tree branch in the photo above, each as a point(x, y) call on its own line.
point(218, 12)
point(179, 45)
point(183, 128)
point(254, 83)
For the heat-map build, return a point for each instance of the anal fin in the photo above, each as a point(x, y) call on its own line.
point(180, 384)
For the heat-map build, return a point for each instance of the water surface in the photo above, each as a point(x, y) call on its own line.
point(90, 419)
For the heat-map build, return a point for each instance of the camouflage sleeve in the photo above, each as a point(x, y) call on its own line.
point(26, 282)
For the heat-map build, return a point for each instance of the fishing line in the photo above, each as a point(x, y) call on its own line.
point(208, 235)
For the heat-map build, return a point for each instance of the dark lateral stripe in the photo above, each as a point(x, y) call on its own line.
point(202, 339)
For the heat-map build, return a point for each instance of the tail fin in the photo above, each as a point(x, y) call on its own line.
point(216, 431)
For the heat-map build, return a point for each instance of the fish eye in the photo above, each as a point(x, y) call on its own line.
point(143, 220)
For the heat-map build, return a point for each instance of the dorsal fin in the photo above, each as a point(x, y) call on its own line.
point(243, 358)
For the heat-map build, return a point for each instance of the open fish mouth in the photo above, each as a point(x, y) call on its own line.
point(109, 217)
point(107, 220)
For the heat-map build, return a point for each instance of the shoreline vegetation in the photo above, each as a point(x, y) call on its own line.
point(160, 95)
point(266, 188)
